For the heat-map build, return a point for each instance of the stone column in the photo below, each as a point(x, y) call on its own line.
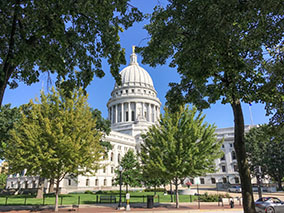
point(122, 112)
point(116, 112)
point(113, 112)
point(135, 110)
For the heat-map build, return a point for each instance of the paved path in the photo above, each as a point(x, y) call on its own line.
point(168, 207)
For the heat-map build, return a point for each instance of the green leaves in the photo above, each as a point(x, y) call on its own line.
point(131, 174)
point(56, 136)
point(265, 145)
point(180, 146)
point(57, 37)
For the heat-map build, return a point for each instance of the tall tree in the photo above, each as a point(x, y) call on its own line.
point(57, 136)
point(8, 118)
point(265, 145)
point(218, 48)
point(181, 146)
point(131, 174)
point(3, 178)
point(57, 36)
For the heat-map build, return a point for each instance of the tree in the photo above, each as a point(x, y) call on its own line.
point(181, 146)
point(218, 48)
point(8, 117)
point(56, 137)
point(131, 174)
point(266, 146)
point(58, 36)
point(3, 178)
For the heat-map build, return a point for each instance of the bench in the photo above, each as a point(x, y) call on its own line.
point(107, 198)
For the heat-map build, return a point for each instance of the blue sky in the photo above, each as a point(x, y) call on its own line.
point(99, 90)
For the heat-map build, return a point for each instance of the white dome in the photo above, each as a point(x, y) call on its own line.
point(134, 75)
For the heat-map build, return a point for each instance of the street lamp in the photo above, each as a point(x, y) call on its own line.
point(120, 183)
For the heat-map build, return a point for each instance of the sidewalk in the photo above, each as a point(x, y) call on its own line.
point(140, 208)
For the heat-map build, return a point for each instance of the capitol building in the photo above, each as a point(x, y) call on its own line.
point(132, 108)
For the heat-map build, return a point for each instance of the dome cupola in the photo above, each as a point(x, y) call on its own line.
point(134, 75)
point(133, 105)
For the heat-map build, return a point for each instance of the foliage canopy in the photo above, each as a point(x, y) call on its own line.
point(181, 145)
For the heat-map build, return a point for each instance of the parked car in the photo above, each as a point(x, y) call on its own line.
point(269, 205)
point(235, 189)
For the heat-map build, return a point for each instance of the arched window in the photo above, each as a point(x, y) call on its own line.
point(118, 158)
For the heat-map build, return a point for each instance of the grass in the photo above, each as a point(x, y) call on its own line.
point(70, 199)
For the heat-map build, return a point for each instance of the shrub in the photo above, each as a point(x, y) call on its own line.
point(154, 190)
point(212, 197)
point(88, 192)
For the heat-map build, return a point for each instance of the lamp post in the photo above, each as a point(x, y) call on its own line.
point(120, 183)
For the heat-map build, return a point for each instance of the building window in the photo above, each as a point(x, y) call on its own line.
point(223, 158)
point(118, 158)
point(213, 180)
point(12, 184)
point(126, 115)
point(133, 116)
point(224, 180)
point(34, 184)
point(223, 168)
point(192, 181)
point(132, 90)
point(105, 182)
point(237, 180)
point(231, 145)
point(202, 181)
point(223, 146)
point(104, 170)
point(112, 182)
point(112, 170)
point(236, 168)
point(126, 91)
point(111, 156)
point(87, 182)
point(97, 182)
point(69, 182)
point(234, 157)
point(26, 184)
point(119, 147)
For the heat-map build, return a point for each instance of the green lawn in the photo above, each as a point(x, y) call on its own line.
point(86, 198)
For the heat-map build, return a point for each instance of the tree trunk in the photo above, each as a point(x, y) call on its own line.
point(51, 186)
point(239, 144)
point(171, 189)
point(280, 188)
point(8, 66)
point(177, 197)
point(56, 195)
point(40, 188)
